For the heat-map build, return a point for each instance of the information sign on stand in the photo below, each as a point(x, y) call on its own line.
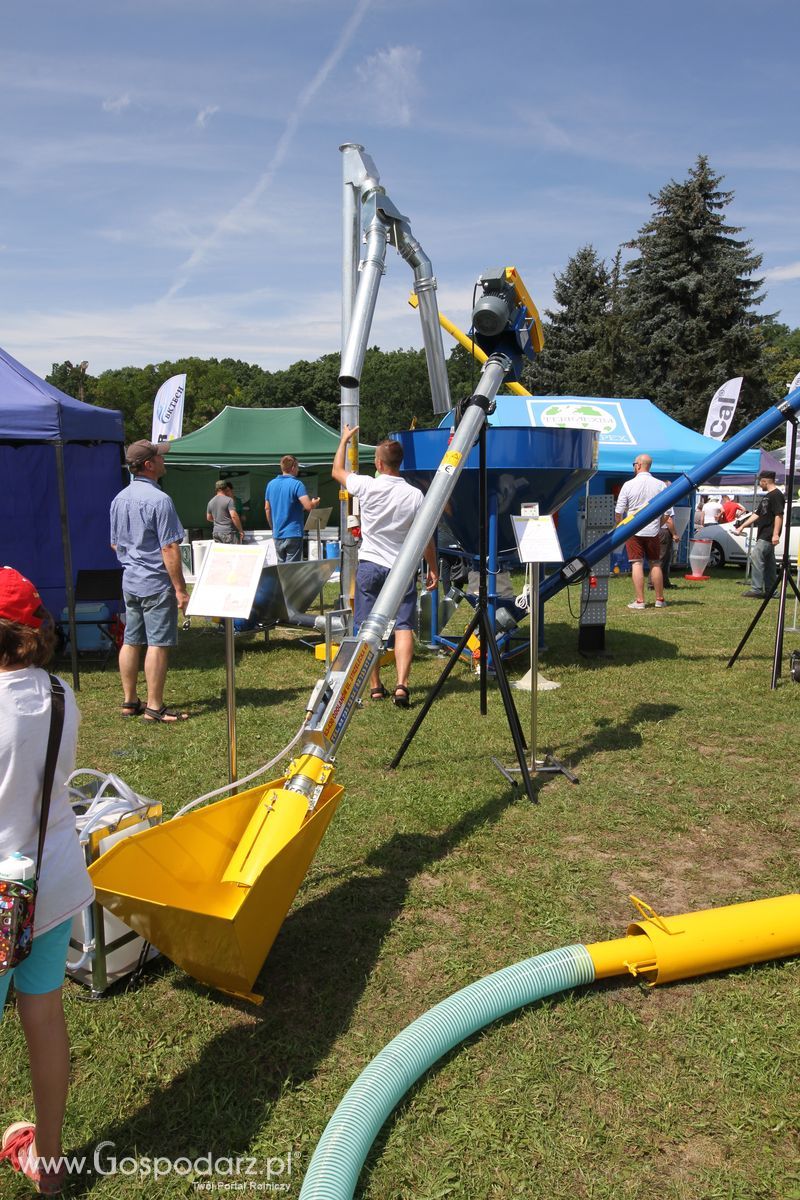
point(226, 588)
point(537, 542)
point(226, 585)
point(316, 521)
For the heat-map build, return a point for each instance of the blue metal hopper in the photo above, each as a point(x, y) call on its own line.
point(524, 464)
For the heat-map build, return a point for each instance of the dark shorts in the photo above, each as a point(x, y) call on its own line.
point(638, 548)
point(151, 620)
point(227, 539)
point(370, 578)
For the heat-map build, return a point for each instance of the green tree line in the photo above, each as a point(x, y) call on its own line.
point(395, 393)
point(675, 314)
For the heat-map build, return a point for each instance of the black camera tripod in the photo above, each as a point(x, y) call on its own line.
point(482, 624)
point(783, 579)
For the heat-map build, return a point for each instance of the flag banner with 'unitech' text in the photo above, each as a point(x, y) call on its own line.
point(721, 409)
point(168, 410)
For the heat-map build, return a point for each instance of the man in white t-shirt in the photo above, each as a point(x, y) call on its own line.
point(387, 506)
point(646, 543)
point(712, 510)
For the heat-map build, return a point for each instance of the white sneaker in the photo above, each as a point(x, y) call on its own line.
point(638, 605)
point(661, 604)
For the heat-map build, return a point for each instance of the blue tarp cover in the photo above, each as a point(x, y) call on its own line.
point(626, 427)
point(32, 410)
point(32, 413)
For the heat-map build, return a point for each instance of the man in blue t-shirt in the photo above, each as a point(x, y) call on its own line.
point(286, 502)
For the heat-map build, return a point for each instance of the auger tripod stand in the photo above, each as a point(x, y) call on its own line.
point(783, 578)
point(481, 624)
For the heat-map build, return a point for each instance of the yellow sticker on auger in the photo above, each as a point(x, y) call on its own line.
point(358, 671)
point(450, 461)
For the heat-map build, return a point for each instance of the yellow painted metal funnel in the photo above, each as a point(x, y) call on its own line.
point(211, 889)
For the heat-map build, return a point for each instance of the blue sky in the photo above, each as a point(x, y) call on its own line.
point(171, 179)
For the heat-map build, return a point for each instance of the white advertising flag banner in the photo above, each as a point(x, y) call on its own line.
point(168, 410)
point(721, 409)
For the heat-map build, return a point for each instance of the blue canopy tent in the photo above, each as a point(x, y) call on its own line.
point(626, 428)
point(61, 466)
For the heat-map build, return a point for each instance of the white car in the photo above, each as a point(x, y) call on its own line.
point(728, 546)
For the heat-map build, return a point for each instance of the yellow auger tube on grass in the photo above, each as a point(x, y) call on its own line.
point(663, 949)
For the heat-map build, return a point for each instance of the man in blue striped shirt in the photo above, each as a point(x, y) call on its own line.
point(146, 535)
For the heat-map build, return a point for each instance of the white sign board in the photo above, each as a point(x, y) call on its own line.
point(537, 539)
point(227, 581)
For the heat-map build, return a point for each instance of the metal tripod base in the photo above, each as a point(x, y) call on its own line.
point(782, 583)
point(480, 622)
point(540, 766)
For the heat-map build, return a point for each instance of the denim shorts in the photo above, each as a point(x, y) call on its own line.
point(43, 970)
point(151, 620)
point(289, 550)
point(370, 578)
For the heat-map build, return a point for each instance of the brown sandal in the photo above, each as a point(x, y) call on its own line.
point(401, 696)
point(164, 715)
point(132, 708)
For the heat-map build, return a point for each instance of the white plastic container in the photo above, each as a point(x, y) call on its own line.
point(699, 554)
point(17, 867)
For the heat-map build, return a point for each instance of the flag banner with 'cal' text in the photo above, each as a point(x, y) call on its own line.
point(168, 410)
point(721, 409)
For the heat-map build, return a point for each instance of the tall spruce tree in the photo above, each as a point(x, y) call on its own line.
point(689, 303)
point(580, 355)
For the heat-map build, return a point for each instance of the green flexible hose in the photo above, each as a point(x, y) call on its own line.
point(334, 1169)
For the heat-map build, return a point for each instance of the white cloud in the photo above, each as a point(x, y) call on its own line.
point(229, 221)
point(239, 325)
point(390, 81)
point(790, 271)
point(117, 104)
point(205, 114)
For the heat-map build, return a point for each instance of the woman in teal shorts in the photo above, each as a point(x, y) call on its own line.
point(26, 645)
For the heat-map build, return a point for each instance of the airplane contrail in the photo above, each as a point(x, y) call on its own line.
point(229, 221)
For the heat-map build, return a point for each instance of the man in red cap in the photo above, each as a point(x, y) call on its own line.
point(146, 534)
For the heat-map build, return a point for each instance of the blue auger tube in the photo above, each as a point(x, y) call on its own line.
point(726, 452)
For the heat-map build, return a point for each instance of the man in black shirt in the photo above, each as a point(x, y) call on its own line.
point(768, 520)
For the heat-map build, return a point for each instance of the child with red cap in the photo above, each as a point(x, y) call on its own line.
point(26, 646)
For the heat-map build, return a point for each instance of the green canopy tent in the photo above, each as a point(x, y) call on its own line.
point(246, 445)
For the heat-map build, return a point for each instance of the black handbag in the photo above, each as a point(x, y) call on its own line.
point(18, 897)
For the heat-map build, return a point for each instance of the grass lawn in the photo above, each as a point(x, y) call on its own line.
point(436, 874)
